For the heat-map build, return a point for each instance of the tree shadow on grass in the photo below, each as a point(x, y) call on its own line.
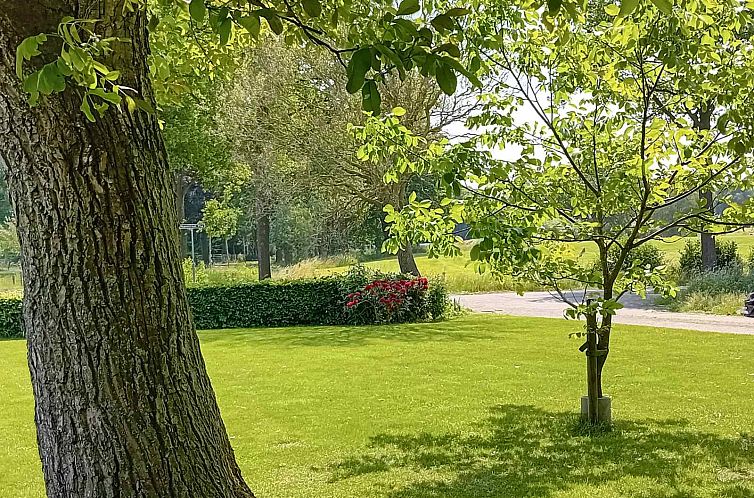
point(522, 451)
point(348, 336)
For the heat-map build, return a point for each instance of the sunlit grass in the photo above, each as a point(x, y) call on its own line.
point(480, 406)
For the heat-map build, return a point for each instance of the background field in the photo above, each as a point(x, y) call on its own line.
point(481, 406)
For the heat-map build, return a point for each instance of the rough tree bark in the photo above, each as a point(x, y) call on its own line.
point(123, 403)
point(263, 246)
point(407, 263)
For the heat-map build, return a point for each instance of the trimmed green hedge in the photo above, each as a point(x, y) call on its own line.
point(269, 304)
point(10, 318)
point(319, 301)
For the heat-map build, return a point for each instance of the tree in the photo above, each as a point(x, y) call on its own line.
point(607, 144)
point(220, 221)
point(123, 402)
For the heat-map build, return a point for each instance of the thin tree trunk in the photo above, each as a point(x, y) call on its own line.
point(123, 403)
point(204, 247)
point(279, 255)
point(407, 263)
point(263, 246)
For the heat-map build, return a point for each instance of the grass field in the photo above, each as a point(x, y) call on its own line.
point(459, 275)
point(480, 406)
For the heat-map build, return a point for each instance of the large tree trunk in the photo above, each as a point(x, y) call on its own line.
point(263, 246)
point(123, 403)
point(407, 263)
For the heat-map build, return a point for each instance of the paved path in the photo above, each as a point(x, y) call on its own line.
point(636, 312)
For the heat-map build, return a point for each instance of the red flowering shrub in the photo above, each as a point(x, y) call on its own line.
point(391, 300)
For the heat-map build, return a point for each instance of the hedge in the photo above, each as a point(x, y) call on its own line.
point(269, 304)
point(319, 301)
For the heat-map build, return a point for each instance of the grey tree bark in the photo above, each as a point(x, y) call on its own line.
point(123, 403)
point(407, 263)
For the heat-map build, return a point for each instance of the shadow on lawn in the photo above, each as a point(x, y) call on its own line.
point(348, 336)
point(522, 451)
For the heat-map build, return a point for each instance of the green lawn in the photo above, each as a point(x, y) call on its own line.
point(480, 406)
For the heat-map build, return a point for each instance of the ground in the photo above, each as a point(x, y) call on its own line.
point(637, 311)
point(479, 406)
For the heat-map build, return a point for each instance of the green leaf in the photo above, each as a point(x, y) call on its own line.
point(50, 79)
point(457, 12)
point(370, 97)
point(442, 22)
point(627, 6)
point(446, 78)
point(275, 24)
point(27, 49)
point(408, 7)
point(459, 67)
point(450, 49)
point(399, 111)
point(86, 109)
point(312, 7)
point(554, 5)
point(666, 6)
point(111, 97)
point(198, 10)
point(357, 69)
point(612, 10)
point(251, 24)
point(224, 31)
point(393, 58)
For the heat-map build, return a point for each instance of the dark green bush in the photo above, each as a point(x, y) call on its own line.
point(690, 260)
point(318, 301)
point(10, 318)
point(643, 256)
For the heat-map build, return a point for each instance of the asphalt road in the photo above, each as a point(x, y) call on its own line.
point(637, 311)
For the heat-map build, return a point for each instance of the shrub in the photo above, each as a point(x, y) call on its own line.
point(723, 281)
point(318, 301)
point(390, 300)
point(11, 324)
point(643, 256)
point(691, 257)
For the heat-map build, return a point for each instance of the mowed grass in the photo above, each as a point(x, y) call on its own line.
point(480, 406)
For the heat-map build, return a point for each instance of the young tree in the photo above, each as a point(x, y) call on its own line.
point(220, 221)
point(123, 402)
point(607, 143)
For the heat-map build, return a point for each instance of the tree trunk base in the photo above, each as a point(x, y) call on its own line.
point(604, 409)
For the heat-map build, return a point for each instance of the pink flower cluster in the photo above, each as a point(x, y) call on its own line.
point(389, 293)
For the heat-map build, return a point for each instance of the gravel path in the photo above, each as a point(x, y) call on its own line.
point(637, 311)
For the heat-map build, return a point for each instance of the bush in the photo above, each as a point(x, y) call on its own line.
point(724, 281)
point(319, 301)
point(643, 256)
point(11, 324)
point(691, 257)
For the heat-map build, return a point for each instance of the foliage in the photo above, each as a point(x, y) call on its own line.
point(389, 301)
point(377, 39)
point(220, 219)
point(722, 281)
point(726, 303)
point(620, 105)
point(10, 317)
point(690, 260)
point(10, 250)
point(646, 256)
